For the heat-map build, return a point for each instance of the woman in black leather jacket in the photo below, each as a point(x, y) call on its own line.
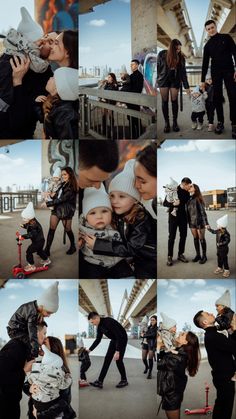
point(64, 206)
point(149, 346)
point(171, 367)
point(171, 72)
point(197, 220)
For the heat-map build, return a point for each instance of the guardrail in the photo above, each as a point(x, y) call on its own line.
point(13, 201)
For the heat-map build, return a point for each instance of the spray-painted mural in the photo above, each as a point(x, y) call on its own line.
point(57, 15)
point(148, 64)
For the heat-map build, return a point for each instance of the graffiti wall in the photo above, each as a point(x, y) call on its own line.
point(57, 15)
point(148, 64)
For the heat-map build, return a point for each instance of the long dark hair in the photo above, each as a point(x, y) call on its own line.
point(72, 179)
point(173, 57)
point(198, 194)
point(57, 348)
point(70, 42)
point(193, 352)
point(113, 76)
point(147, 157)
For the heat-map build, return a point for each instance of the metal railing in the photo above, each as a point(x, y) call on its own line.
point(115, 115)
point(13, 201)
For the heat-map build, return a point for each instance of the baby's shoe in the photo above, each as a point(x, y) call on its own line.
point(30, 268)
point(199, 126)
point(226, 273)
point(210, 127)
point(45, 262)
point(218, 270)
point(194, 125)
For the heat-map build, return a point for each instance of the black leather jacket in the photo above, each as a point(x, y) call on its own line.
point(222, 237)
point(151, 336)
point(197, 217)
point(24, 322)
point(65, 202)
point(224, 319)
point(163, 72)
point(34, 232)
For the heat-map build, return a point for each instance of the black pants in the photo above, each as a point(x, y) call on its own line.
point(210, 108)
point(35, 248)
point(217, 79)
point(222, 257)
point(108, 359)
point(224, 399)
point(135, 123)
point(9, 409)
point(198, 116)
point(174, 223)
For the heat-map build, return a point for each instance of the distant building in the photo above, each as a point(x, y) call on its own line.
point(231, 197)
point(215, 199)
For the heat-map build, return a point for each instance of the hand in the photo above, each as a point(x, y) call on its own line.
point(116, 356)
point(28, 365)
point(41, 98)
point(19, 69)
point(90, 241)
point(34, 412)
point(87, 350)
point(176, 202)
point(203, 86)
point(34, 389)
point(188, 91)
point(233, 323)
point(207, 226)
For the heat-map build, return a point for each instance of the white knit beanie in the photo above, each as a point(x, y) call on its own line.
point(172, 184)
point(223, 221)
point(57, 172)
point(28, 27)
point(224, 300)
point(167, 322)
point(28, 213)
point(49, 299)
point(124, 181)
point(67, 83)
point(94, 198)
point(49, 358)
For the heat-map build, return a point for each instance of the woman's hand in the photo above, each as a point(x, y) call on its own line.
point(34, 389)
point(188, 91)
point(90, 241)
point(28, 366)
point(233, 323)
point(40, 99)
point(116, 356)
point(19, 69)
point(34, 412)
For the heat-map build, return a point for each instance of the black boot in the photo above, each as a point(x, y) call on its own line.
point(219, 128)
point(150, 361)
point(197, 248)
point(165, 111)
point(50, 238)
point(234, 132)
point(167, 126)
point(175, 115)
point(204, 258)
point(146, 366)
point(72, 248)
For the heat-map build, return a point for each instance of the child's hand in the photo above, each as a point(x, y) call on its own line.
point(207, 227)
point(34, 412)
point(176, 202)
point(40, 99)
point(34, 389)
point(90, 241)
point(116, 356)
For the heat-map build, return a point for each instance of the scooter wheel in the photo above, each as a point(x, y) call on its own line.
point(186, 411)
point(20, 275)
point(209, 413)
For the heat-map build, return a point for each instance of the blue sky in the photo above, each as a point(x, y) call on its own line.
point(197, 11)
point(105, 35)
point(22, 165)
point(10, 13)
point(17, 292)
point(208, 163)
point(181, 299)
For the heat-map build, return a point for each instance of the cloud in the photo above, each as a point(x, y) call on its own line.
point(14, 285)
point(163, 283)
point(6, 162)
point(172, 291)
point(203, 146)
point(64, 284)
point(200, 282)
point(84, 50)
point(97, 22)
point(12, 297)
point(206, 295)
point(125, 1)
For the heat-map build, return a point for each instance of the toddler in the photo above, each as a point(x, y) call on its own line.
point(167, 333)
point(222, 246)
point(172, 195)
point(84, 358)
point(53, 185)
point(198, 98)
point(210, 106)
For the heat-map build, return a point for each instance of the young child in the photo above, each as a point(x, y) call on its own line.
point(210, 106)
point(167, 333)
point(172, 194)
point(222, 246)
point(23, 323)
point(135, 225)
point(225, 315)
point(35, 234)
point(59, 110)
point(84, 358)
point(95, 220)
point(53, 186)
point(198, 99)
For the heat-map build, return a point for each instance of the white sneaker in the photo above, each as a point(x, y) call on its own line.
point(199, 126)
point(45, 262)
point(210, 127)
point(218, 270)
point(194, 125)
point(226, 273)
point(29, 268)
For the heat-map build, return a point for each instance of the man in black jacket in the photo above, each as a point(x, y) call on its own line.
point(116, 349)
point(136, 86)
point(180, 220)
point(221, 48)
point(220, 351)
point(13, 367)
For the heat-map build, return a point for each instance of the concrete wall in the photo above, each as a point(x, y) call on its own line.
point(56, 153)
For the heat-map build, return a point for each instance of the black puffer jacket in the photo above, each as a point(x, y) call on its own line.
point(222, 237)
point(164, 73)
point(24, 321)
point(151, 336)
point(224, 319)
point(64, 201)
point(197, 217)
point(34, 232)
point(138, 240)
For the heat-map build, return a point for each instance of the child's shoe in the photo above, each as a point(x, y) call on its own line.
point(226, 273)
point(210, 128)
point(218, 270)
point(199, 126)
point(83, 383)
point(30, 268)
point(194, 125)
point(234, 377)
point(45, 262)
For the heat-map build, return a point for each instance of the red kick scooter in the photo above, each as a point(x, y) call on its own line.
point(207, 410)
point(18, 270)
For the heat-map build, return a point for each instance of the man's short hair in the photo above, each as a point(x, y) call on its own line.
point(186, 180)
point(197, 320)
point(41, 325)
point(101, 153)
point(209, 22)
point(135, 61)
point(92, 314)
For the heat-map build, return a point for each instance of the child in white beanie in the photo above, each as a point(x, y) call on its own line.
point(167, 332)
point(222, 246)
point(135, 225)
point(54, 183)
point(23, 323)
point(96, 220)
point(172, 195)
point(59, 110)
point(35, 234)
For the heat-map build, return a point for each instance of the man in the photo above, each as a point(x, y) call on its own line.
point(136, 86)
point(13, 368)
point(116, 349)
point(220, 351)
point(180, 220)
point(221, 48)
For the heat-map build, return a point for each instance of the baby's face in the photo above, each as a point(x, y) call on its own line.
point(219, 308)
point(56, 179)
point(99, 217)
point(209, 81)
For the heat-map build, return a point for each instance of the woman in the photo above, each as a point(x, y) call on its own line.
point(171, 377)
point(171, 72)
point(149, 346)
point(145, 170)
point(64, 50)
point(110, 84)
point(64, 205)
point(197, 220)
point(55, 346)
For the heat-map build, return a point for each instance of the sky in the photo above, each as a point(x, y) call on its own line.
point(21, 165)
point(17, 292)
point(197, 11)
point(181, 299)
point(105, 35)
point(208, 163)
point(10, 13)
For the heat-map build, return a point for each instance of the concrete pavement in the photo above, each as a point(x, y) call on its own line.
point(191, 269)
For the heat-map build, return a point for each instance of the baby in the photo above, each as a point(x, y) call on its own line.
point(198, 99)
point(53, 186)
point(172, 195)
point(167, 333)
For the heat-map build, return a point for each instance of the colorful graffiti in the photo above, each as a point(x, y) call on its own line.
point(148, 64)
point(57, 15)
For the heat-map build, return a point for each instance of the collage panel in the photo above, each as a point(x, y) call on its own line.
point(124, 311)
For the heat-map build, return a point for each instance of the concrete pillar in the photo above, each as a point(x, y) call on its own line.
point(143, 26)
point(56, 153)
point(134, 321)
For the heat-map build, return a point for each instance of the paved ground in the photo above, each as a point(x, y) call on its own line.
point(62, 266)
point(185, 123)
point(191, 269)
point(73, 365)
